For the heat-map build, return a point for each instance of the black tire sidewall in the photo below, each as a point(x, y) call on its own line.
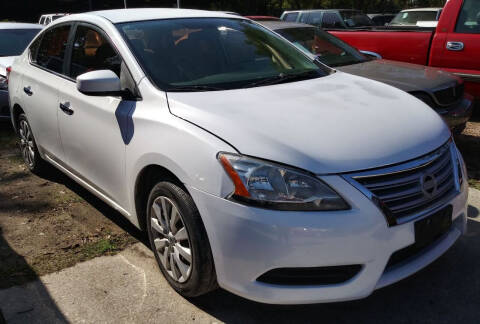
point(36, 157)
point(203, 273)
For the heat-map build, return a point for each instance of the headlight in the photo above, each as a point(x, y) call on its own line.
point(268, 185)
point(3, 83)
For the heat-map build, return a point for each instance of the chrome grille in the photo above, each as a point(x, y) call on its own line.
point(406, 191)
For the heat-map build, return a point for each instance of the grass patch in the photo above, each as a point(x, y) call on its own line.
point(20, 271)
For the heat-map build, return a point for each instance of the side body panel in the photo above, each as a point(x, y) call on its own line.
point(406, 46)
point(41, 105)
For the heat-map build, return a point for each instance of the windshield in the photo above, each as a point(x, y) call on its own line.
point(412, 17)
point(356, 19)
point(329, 49)
point(14, 41)
point(218, 53)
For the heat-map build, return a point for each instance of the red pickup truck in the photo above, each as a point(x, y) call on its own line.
point(454, 45)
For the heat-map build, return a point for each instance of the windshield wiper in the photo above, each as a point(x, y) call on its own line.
point(193, 88)
point(282, 78)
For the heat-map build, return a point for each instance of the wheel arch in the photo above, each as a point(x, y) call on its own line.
point(145, 181)
point(16, 111)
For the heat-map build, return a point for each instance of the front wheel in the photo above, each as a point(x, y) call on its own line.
point(179, 240)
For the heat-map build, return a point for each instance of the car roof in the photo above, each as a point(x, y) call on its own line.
point(142, 14)
point(422, 9)
point(15, 25)
point(274, 25)
point(324, 10)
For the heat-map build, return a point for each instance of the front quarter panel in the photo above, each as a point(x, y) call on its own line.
point(160, 138)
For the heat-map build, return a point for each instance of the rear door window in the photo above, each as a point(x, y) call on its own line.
point(331, 20)
point(469, 18)
point(51, 51)
point(291, 16)
point(315, 18)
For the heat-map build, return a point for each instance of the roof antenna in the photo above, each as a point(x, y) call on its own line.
point(178, 3)
point(125, 3)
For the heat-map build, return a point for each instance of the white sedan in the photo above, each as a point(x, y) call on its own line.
point(250, 165)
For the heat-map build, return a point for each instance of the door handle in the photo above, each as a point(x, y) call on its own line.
point(28, 90)
point(65, 107)
point(455, 46)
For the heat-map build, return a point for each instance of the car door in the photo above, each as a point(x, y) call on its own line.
point(462, 44)
point(92, 139)
point(40, 84)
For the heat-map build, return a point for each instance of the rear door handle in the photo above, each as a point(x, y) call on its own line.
point(455, 46)
point(65, 107)
point(28, 90)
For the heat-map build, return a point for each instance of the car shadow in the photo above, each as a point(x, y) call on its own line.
point(447, 291)
point(55, 175)
point(29, 303)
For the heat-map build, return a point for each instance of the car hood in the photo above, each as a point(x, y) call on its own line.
point(5, 62)
point(405, 76)
point(334, 124)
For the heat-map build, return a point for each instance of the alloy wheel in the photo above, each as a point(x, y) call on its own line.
point(27, 145)
point(170, 238)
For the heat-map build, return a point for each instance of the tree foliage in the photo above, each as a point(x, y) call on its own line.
point(30, 10)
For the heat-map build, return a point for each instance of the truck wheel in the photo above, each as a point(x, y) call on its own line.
point(179, 240)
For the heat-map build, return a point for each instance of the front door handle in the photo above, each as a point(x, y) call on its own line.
point(65, 107)
point(28, 90)
point(455, 46)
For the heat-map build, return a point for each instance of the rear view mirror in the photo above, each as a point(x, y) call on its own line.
point(99, 83)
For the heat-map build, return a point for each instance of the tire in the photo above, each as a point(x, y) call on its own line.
point(28, 147)
point(189, 276)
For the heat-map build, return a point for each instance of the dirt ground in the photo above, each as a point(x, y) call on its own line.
point(50, 223)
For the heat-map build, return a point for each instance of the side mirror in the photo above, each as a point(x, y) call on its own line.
point(99, 83)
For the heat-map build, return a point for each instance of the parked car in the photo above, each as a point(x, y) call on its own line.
point(331, 18)
point(440, 90)
point(249, 164)
point(453, 46)
point(14, 38)
point(411, 17)
point(262, 18)
point(48, 18)
point(381, 19)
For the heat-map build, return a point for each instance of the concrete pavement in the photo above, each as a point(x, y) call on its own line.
point(128, 288)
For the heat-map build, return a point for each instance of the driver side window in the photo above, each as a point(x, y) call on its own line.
point(91, 52)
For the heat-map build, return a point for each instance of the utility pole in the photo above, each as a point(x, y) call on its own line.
point(178, 3)
point(125, 3)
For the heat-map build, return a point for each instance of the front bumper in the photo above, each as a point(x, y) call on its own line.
point(459, 113)
point(247, 242)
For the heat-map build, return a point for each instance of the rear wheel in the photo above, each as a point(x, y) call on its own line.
point(28, 146)
point(179, 241)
